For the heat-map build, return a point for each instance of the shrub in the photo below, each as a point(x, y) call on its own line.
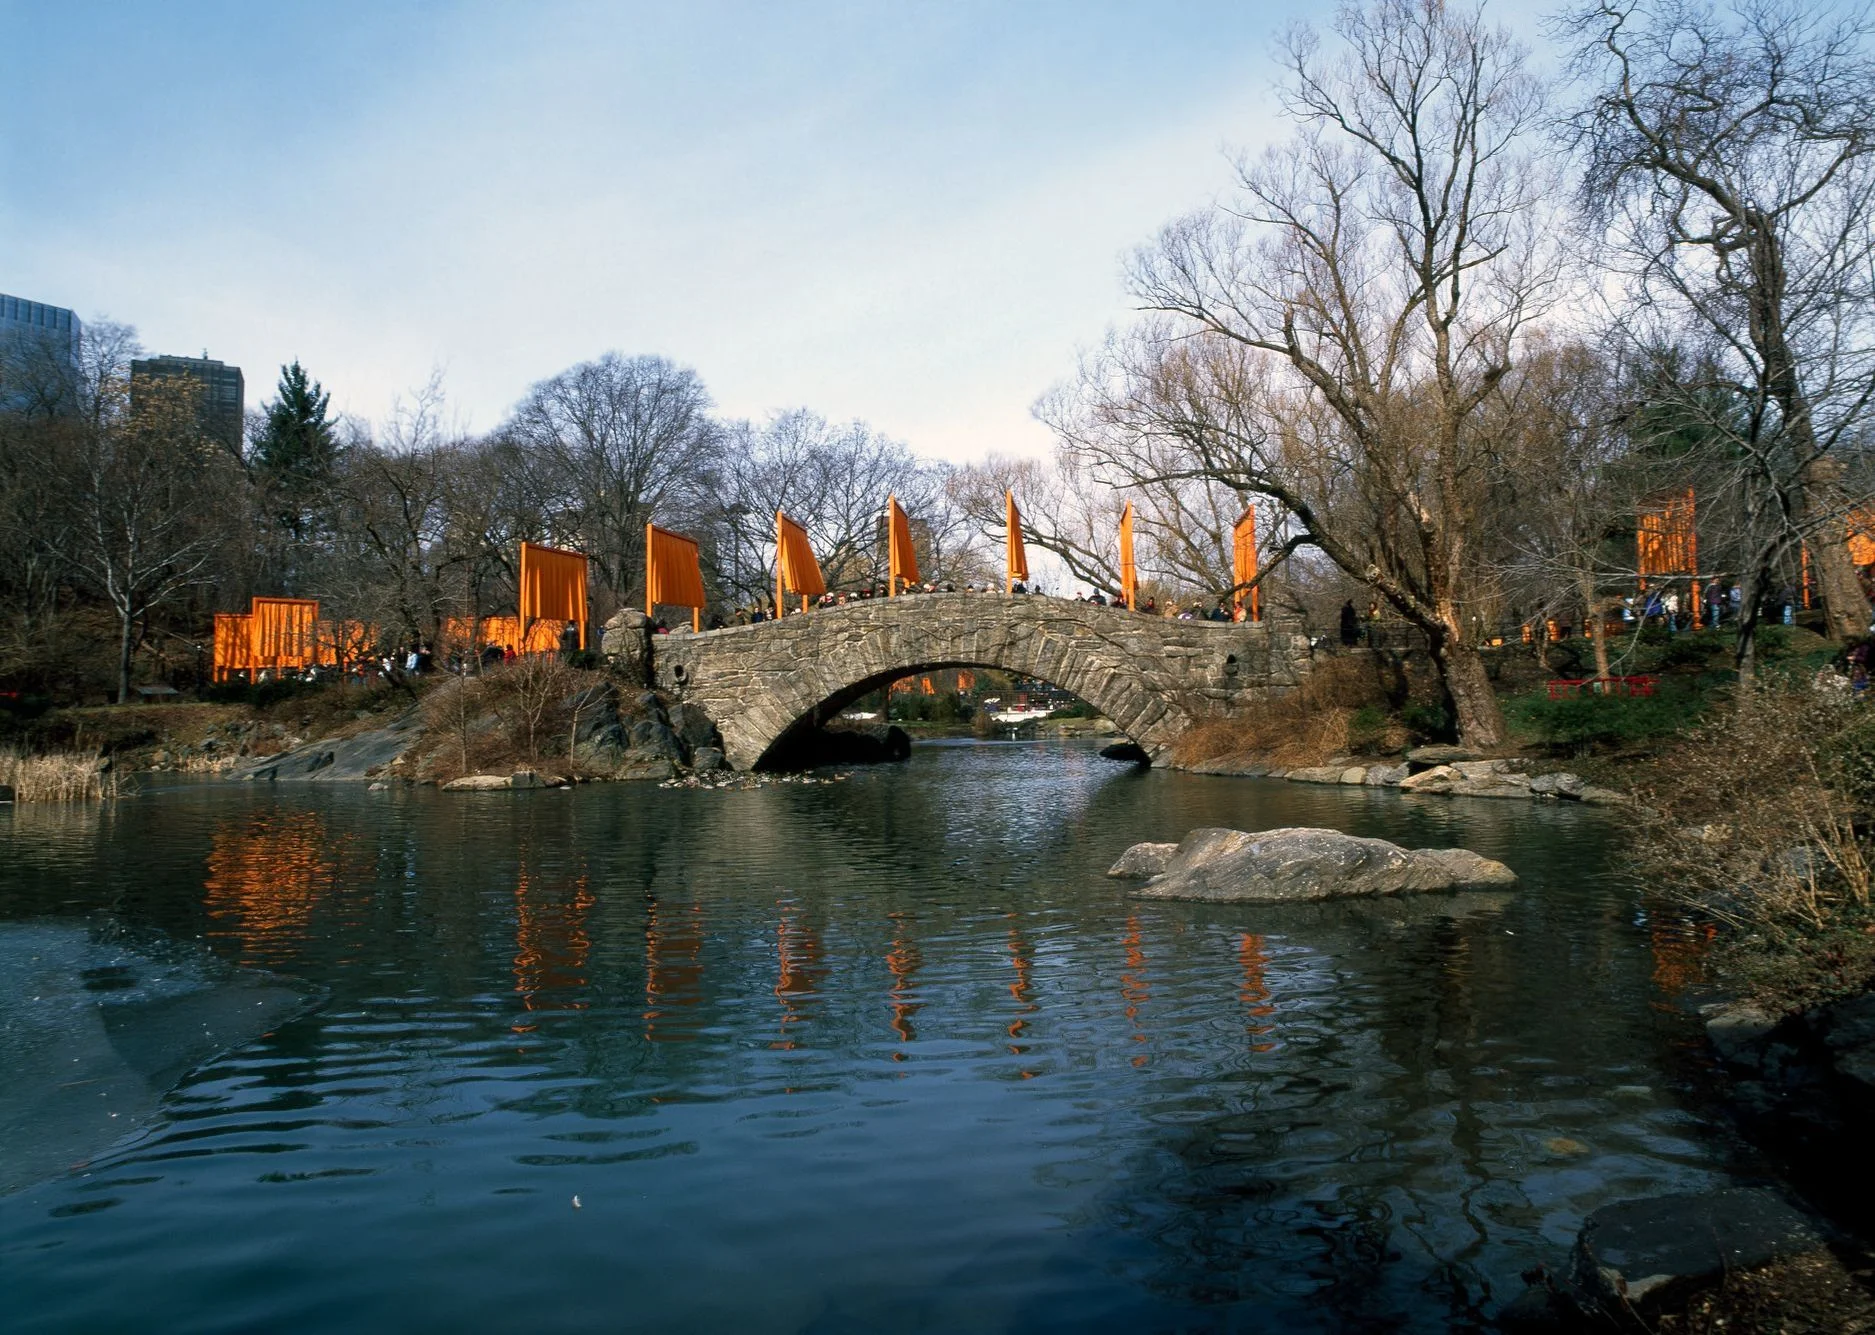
point(1755, 822)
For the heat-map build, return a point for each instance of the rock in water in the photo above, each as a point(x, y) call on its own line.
point(1298, 864)
point(1142, 861)
point(1637, 1255)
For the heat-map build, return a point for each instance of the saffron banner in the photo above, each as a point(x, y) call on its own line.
point(553, 586)
point(282, 631)
point(901, 559)
point(234, 645)
point(1129, 572)
point(1243, 559)
point(1018, 557)
point(1665, 540)
point(1861, 538)
point(796, 570)
point(673, 572)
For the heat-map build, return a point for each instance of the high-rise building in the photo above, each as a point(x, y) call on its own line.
point(224, 393)
point(38, 354)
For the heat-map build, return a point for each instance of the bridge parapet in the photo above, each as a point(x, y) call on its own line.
point(1153, 676)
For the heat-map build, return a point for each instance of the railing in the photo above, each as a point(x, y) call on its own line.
point(1562, 688)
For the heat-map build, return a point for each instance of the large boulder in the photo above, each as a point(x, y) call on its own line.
point(652, 740)
point(1637, 1256)
point(626, 643)
point(1142, 861)
point(1297, 864)
point(693, 728)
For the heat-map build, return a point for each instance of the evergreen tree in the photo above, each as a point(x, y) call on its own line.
point(294, 450)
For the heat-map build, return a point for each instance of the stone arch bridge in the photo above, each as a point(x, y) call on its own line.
point(1152, 676)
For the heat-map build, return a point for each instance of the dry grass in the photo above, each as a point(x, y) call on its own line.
point(515, 717)
point(57, 776)
point(1759, 821)
point(1309, 727)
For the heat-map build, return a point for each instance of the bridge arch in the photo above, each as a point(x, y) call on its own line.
point(1152, 676)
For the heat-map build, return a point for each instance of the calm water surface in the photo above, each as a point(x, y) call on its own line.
point(890, 1053)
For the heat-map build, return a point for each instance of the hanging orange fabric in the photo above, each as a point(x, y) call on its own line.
point(673, 572)
point(1861, 538)
point(796, 570)
point(1129, 573)
point(1018, 557)
point(342, 643)
point(553, 586)
point(234, 645)
point(539, 637)
point(1665, 538)
point(901, 559)
point(282, 631)
point(1244, 559)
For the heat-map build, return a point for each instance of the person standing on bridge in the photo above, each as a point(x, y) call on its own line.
point(1350, 625)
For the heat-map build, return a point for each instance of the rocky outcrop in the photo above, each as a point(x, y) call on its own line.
point(355, 759)
point(1462, 777)
point(521, 779)
point(1641, 1256)
point(625, 643)
point(1298, 864)
point(1142, 861)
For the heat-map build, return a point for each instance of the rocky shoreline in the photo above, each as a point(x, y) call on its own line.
point(1448, 771)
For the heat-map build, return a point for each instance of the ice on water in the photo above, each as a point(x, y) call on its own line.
point(96, 1026)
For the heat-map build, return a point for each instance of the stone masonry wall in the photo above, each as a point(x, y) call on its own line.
point(1152, 676)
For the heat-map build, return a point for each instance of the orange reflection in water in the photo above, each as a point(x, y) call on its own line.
point(1135, 989)
point(903, 961)
point(1679, 950)
point(1255, 992)
point(266, 874)
point(550, 943)
point(1022, 956)
point(798, 951)
point(673, 968)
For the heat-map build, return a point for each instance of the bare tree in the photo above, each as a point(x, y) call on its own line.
point(1334, 339)
point(151, 499)
point(625, 440)
point(1730, 153)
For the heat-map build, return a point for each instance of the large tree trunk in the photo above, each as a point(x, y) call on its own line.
point(1474, 702)
point(1845, 608)
point(127, 623)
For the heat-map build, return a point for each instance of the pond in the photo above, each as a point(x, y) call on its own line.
point(883, 1053)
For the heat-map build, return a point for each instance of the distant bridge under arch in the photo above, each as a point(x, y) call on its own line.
point(1153, 676)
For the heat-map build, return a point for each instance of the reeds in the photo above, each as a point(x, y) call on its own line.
point(58, 776)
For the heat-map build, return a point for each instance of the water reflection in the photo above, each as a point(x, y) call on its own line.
point(1134, 1114)
point(550, 944)
point(673, 970)
point(797, 957)
point(1253, 960)
point(266, 875)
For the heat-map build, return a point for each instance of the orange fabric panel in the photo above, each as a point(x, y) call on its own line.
point(282, 631)
point(901, 559)
point(673, 571)
point(1012, 523)
point(541, 637)
point(234, 644)
point(342, 642)
point(1129, 572)
point(1243, 559)
point(1861, 538)
point(1665, 540)
point(553, 586)
point(794, 555)
point(966, 680)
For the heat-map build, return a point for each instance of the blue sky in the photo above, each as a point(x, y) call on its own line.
point(912, 213)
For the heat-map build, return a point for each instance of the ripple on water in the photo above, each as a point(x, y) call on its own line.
point(887, 1052)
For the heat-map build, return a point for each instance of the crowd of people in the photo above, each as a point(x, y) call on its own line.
point(753, 613)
